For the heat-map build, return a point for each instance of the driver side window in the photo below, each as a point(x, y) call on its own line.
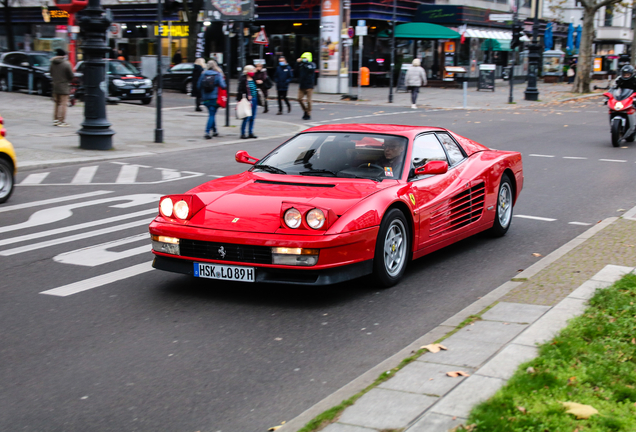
point(427, 148)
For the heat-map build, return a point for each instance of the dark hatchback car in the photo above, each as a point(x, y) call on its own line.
point(179, 77)
point(125, 82)
point(21, 65)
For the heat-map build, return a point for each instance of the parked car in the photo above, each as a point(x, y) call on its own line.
point(8, 165)
point(21, 64)
point(125, 82)
point(179, 77)
point(337, 202)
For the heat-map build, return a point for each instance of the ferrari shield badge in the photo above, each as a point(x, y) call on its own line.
point(412, 198)
point(388, 171)
point(235, 220)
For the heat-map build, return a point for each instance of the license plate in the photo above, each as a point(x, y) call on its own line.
point(135, 91)
point(224, 272)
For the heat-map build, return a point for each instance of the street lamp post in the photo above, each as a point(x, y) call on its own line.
point(159, 80)
point(392, 53)
point(532, 92)
point(95, 133)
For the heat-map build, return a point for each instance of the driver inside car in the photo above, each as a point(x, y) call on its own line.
point(391, 160)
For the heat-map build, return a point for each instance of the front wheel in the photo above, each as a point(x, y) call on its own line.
point(6, 180)
point(187, 88)
point(391, 249)
point(617, 131)
point(503, 216)
point(39, 88)
point(146, 101)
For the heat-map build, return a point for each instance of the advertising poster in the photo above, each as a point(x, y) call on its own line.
point(329, 37)
point(237, 10)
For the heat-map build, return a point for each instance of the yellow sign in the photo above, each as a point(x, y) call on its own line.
point(174, 31)
point(598, 64)
point(58, 14)
point(449, 47)
point(412, 198)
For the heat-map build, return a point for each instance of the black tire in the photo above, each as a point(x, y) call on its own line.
point(617, 131)
point(187, 87)
point(503, 209)
point(392, 249)
point(39, 88)
point(146, 101)
point(7, 180)
point(4, 84)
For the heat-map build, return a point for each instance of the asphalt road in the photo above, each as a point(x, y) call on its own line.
point(160, 351)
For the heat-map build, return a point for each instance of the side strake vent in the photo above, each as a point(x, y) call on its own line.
point(459, 211)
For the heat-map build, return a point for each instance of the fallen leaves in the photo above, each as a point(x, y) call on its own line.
point(455, 374)
point(434, 347)
point(530, 370)
point(275, 428)
point(522, 409)
point(579, 410)
point(536, 255)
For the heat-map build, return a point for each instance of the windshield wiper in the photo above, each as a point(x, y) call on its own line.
point(270, 169)
point(319, 172)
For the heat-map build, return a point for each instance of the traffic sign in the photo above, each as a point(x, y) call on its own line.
point(350, 32)
point(361, 30)
point(500, 17)
point(261, 38)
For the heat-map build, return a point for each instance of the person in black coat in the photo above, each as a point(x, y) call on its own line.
point(282, 77)
point(176, 58)
point(199, 67)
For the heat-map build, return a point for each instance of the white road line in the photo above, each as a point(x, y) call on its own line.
point(574, 157)
point(33, 236)
point(540, 155)
point(535, 218)
point(127, 174)
point(34, 179)
point(120, 163)
point(52, 201)
point(54, 242)
point(101, 280)
point(170, 174)
point(100, 254)
point(215, 176)
point(612, 160)
point(579, 223)
point(85, 175)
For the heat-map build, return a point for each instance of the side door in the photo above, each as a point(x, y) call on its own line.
point(21, 71)
point(439, 199)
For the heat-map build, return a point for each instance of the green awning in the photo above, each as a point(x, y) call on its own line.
point(418, 30)
point(496, 45)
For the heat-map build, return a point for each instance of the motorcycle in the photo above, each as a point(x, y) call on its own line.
point(622, 114)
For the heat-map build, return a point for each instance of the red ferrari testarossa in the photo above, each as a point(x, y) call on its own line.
point(337, 202)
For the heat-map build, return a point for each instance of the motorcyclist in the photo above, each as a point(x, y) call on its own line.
point(627, 78)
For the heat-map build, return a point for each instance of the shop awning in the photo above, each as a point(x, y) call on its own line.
point(496, 45)
point(419, 30)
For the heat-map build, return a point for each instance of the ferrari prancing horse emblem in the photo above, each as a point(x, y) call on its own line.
point(222, 252)
point(412, 198)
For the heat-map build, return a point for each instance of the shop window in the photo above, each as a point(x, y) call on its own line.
point(609, 15)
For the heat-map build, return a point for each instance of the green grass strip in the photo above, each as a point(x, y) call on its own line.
point(592, 361)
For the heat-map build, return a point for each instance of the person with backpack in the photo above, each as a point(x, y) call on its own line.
point(209, 83)
point(263, 83)
point(282, 77)
point(247, 88)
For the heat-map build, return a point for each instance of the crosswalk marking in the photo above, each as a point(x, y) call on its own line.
point(100, 280)
point(167, 174)
point(52, 201)
point(100, 254)
point(49, 243)
point(77, 227)
point(85, 175)
point(34, 179)
point(127, 174)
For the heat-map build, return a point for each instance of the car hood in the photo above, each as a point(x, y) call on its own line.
point(252, 202)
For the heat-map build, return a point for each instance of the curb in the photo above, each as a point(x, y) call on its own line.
point(441, 330)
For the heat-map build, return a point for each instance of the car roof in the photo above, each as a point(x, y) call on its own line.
point(404, 130)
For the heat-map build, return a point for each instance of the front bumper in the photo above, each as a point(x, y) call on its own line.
point(125, 93)
point(307, 276)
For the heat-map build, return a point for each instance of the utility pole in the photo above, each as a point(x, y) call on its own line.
point(516, 35)
point(392, 53)
point(532, 92)
point(158, 129)
point(227, 71)
point(95, 133)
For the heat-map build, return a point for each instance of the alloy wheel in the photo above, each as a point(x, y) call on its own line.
point(504, 205)
point(395, 248)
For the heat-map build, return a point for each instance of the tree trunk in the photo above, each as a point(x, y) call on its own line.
point(584, 64)
point(633, 51)
point(8, 25)
point(192, 11)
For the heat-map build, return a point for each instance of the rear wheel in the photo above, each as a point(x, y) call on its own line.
point(391, 249)
point(187, 88)
point(6, 180)
point(503, 218)
point(4, 85)
point(39, 88)
point(617, 131)
point(146, 101)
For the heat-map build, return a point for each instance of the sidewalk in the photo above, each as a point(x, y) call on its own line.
point(28, 120)
point(528, 310)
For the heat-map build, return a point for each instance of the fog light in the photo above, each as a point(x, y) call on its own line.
point(295, 256)
point(163, 244)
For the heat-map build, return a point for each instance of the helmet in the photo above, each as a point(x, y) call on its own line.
point(627, 72)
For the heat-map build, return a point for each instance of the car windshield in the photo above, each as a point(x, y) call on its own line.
point(121, 68)
point(338, 154)
point(40, 60)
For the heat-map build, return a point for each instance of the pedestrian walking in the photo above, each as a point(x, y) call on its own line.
point(571, 73)
point(263, 83)
point(282, 77)
point(247, 88)
point(414, 79)
point(199, 67)
point(208, 84)
point(306, 77)
point(176, 58)
point(61, 77)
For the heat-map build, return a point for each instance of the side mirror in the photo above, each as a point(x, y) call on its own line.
point(243, 157)
point(432, 167)
point(25, 64)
